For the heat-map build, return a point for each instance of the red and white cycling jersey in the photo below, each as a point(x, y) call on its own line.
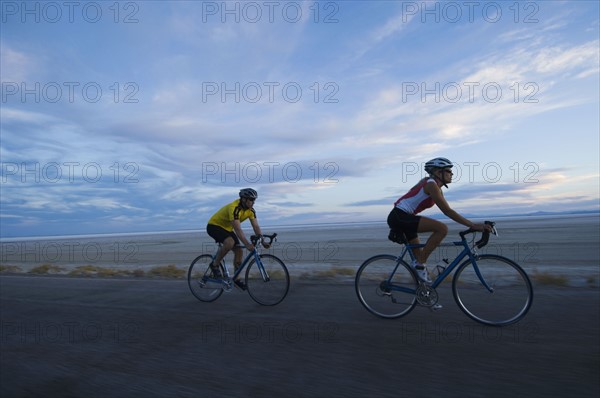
point(416, 200)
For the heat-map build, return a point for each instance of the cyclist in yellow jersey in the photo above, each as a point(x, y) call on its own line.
point(225, 228)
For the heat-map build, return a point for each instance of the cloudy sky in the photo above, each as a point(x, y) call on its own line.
point(150, 115)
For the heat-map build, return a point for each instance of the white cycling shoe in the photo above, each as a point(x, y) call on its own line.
point(421, 270)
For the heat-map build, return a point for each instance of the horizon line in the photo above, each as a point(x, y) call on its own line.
point(296, 225)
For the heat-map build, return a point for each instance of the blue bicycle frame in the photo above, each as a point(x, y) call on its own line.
point(246, 261)
point(254, 253)
point(466, 251)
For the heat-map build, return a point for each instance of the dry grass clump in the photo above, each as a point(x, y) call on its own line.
point(592, 281)
point(168, 271)
point(329, 273)
point(546, 278)
point(92, 270)
point(10, 269)
point(46, 269)
point(84, 270)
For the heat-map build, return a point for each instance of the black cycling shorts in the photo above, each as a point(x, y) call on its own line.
point(219, 234)
point(401, 221)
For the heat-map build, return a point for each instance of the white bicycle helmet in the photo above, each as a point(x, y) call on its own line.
point(437, 163)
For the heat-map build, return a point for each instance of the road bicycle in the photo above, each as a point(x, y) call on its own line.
point(267, 278)
point(489, 289)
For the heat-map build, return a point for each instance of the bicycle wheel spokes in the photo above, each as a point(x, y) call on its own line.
point(385, 287)
point(202, 285)
point(506, 298)
point(269, 284)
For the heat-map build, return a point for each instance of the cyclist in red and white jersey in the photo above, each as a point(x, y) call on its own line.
point(422, 196)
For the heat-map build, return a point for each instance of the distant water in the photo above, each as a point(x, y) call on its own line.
point(568, 245)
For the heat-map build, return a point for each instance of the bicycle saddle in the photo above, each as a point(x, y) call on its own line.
point(397, 236)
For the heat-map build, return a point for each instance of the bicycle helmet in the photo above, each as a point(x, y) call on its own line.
point(248, 193)
point(437, 163)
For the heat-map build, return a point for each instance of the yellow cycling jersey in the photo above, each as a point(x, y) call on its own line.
point(230, 212)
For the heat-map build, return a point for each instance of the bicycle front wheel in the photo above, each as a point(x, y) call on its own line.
point(267, 282)
point(202, 285)
point(386, 286)
point(494, 290)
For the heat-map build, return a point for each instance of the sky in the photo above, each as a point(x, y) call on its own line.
point(140, 116)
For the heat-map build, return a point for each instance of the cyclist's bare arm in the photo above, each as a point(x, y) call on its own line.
point(257, 231)
point(434, 191)
point(237, 228)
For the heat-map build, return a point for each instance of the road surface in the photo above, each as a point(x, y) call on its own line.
point(89, 337)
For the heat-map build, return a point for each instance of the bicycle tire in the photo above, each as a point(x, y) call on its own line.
point(386, 286)
point(202, 287)
point(510, 299)
point(273, 289)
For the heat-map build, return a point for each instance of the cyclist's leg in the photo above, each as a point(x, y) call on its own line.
point(439, 231)
point(226, 247)
point(238, 252)
point(226, 238)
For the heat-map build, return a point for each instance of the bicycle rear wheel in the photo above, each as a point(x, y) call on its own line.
point(508, 298)
point(268, 282)
point(386, 286)
point(202, 285)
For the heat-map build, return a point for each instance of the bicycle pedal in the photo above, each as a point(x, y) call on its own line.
point(382, 293)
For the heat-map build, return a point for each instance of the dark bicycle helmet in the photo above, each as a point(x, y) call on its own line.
point(437, 163)
point(248, 193)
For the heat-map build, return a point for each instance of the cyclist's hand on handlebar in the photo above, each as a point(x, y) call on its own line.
point(250, 247)
point(482, 228)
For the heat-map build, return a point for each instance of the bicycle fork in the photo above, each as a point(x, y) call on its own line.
point(478, 273)
point(261, 269)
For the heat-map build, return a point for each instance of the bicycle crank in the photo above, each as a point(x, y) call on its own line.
point(426, 295)
point(227, 285)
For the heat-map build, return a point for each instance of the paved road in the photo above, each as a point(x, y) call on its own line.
point(73, 337)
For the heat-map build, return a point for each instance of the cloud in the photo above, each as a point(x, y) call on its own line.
point(290, 204)
point(16, 66)
point(556, 60)
point(505, 86)
point(387, 201)
point(177, 154)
